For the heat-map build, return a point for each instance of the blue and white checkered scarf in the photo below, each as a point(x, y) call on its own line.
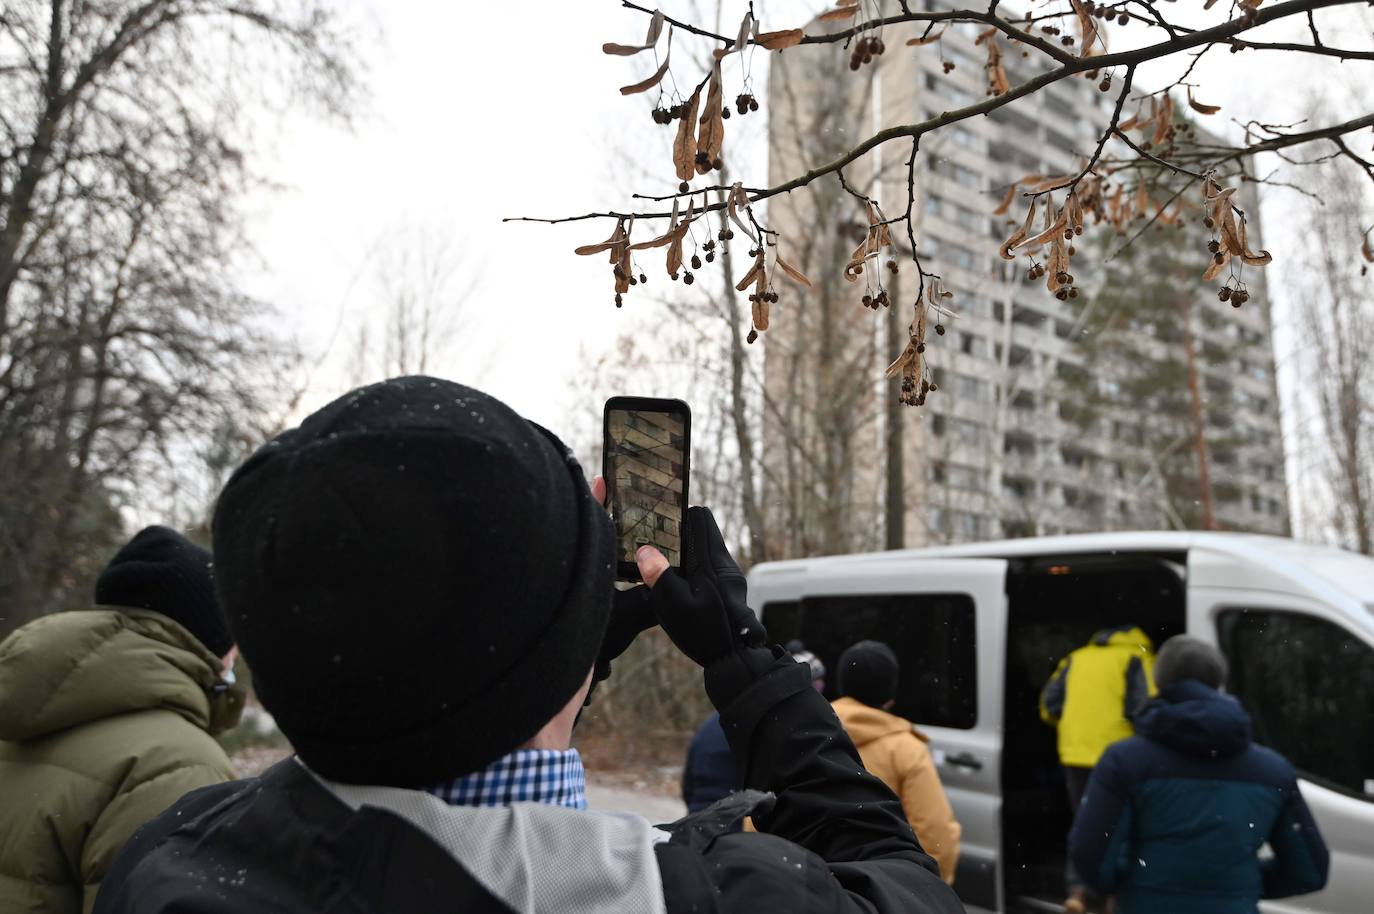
point(524, 776)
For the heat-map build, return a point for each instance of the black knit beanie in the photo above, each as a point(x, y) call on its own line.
point(868, 673)
point(1184, 657)
point(418, 578)
point(161, 570)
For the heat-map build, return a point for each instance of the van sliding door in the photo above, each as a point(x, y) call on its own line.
point(945, 619)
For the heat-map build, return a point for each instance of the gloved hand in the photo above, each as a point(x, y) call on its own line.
point(703, 609)
point(631, 613)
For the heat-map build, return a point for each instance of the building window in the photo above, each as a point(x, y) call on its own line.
point(954, 255)
point(970, 478)
point(970, 388)
point(964, 177)
point(1308, 684)
point(966, 432)
point(932, 634)
point(970, 527)
point(953, 212)
point(953, 98)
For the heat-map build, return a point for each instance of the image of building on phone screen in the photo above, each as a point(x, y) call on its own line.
point(647, 495)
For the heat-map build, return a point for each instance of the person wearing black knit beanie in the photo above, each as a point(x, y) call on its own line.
point(161, 570)
point(107, 717)
point(422, 582)
point(894, 750)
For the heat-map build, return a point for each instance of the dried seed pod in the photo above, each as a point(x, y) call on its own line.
point(683, 187)
point(753, 335)
point(688, 278)
point(939, 329)
point(696, 262)
point(643, 278)
point(1225, 293)
point(619, 302)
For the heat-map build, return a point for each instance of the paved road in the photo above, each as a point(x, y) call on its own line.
point(654, 807)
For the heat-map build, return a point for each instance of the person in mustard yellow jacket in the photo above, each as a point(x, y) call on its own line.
point(893, 749)
point(1092, 699)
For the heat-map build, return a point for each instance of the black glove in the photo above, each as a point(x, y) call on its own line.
point(703, 609)
point(631, 613)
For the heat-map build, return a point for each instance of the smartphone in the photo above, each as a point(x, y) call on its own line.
point(646, 453)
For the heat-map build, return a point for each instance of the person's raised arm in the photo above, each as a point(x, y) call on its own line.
point(784, 734)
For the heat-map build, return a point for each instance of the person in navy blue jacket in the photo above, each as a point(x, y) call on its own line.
point(1175, 817)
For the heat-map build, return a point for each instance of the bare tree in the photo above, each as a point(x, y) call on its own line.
point(421, 311)
point(123, 339)
point(1336, 385)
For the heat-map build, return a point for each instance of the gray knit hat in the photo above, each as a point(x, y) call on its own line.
point(1185, 657)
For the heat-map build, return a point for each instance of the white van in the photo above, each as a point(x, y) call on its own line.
point(979, 629)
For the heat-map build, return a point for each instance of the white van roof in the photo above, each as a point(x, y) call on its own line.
point(1324, 572)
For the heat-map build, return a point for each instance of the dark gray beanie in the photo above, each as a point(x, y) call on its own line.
point(868, 673)
point(1184, 657)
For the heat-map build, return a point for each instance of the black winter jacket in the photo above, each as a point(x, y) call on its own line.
point(834, 840)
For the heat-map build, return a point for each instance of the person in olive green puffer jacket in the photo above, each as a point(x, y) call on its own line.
point(107, 717)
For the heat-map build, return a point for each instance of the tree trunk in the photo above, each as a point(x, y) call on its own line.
point(739, 409)
point(1204, 470)
point(894, 498)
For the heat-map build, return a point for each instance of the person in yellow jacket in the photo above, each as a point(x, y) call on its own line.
point(1091, 699)
point(893, 749)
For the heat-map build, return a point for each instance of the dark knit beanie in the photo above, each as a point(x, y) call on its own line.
point(1184, 657)
point(418, 578)
point(161, 570)
point(868, 673)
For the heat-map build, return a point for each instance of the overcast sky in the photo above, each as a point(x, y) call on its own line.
point(484, 110)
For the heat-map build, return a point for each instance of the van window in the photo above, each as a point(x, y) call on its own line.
point(1308, 685)
point(933, 634)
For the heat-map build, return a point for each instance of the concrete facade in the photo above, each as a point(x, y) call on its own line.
point(993, 454)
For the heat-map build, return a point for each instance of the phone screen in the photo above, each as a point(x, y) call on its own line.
point(646, 456)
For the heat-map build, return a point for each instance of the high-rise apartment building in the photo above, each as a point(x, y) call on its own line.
point(1034, 429)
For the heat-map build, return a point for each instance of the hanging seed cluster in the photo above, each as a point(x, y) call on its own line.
point(911, 365)
point(870, 252)
point(1228, 243)
point(865, 49)
point(1060, 227)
